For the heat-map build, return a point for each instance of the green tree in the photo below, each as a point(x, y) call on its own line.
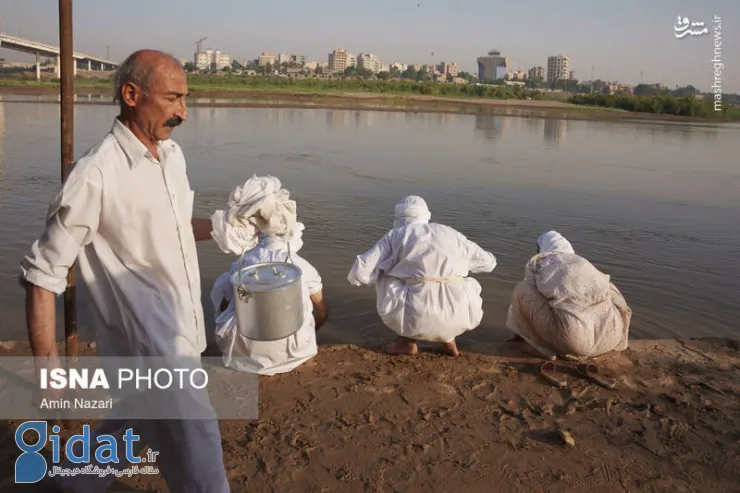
point(450, 78)
point(410, 73)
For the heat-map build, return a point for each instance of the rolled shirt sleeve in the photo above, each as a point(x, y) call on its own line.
point(72, 222)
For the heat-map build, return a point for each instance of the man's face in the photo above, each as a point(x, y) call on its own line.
point(163, 107)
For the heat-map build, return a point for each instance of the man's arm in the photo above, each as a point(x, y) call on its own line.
point(320, 310)
point(201, 228)
point(72, 223)
point(41, 321)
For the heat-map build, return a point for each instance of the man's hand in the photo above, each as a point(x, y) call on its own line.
point(201, 228)
point(320, 310)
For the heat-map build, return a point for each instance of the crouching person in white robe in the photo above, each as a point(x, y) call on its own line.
point(420, 274)
point(565, 307)
point(273, 357)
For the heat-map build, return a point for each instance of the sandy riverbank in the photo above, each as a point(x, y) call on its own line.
point(353, 419)
point(378, 102)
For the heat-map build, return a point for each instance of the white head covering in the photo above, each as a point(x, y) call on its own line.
point(552, 241)
point(411, 210)
point(296, 238)
point(261, 205)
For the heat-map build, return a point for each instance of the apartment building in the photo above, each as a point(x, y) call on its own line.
point(212, 60)
point(446, 68)
point(268, 57)
point(370, 62)
point(558, 68)
point(516, 75)
point(340, 60)
point(536, 73)
point(401, 67)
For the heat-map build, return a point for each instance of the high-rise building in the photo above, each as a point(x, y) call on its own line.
point(370, 62)
point(492, 66)
point(558, 68)
point(340, 60)
point(536, 73)
point(212, 60)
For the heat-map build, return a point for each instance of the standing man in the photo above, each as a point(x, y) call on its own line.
point(126, 211)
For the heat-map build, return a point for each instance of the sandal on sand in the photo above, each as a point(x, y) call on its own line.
point(591, 371)
point(549, 371)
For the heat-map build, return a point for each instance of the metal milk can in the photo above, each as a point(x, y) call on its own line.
point(268, 300)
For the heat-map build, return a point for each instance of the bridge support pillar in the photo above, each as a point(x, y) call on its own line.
point(89, 65)
point(38, 66)
point(58, 68)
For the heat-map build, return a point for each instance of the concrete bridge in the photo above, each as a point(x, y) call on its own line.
point(81, 61)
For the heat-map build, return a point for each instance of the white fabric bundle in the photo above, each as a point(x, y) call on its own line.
point(565, 306)
point(259, 206)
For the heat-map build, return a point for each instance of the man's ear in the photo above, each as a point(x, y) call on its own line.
point(131, 94)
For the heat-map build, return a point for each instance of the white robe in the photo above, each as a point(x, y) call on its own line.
point(420, 274)
point(273, 357)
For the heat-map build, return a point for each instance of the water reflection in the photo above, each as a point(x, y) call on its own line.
point(366, 119)
point(336, 119)
point(556, 132)
point(492, 127)
point(2, 139)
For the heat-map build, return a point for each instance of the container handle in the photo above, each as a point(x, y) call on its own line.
point(289, 258)
point(244, 293)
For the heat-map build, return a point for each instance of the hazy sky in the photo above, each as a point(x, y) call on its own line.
point(617, 38)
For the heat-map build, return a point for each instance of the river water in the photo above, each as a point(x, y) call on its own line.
point(655, 205)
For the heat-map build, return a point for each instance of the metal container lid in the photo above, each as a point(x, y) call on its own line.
point(267, 276)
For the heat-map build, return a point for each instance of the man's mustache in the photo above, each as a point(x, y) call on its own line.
point(173, 122)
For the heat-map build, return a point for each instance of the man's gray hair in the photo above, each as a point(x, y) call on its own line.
point(134, 70)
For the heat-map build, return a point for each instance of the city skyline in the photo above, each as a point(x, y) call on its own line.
point(610, 39)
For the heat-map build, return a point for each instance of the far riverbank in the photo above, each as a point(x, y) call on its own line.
point(281, 98)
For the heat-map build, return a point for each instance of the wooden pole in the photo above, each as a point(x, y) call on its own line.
point(67, 130)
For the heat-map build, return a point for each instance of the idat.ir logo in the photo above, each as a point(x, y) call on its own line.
point(31, 466)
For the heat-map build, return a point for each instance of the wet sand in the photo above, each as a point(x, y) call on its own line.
point(279, 98)
point(354, 419)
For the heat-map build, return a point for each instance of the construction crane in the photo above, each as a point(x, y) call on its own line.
point(197, 45)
